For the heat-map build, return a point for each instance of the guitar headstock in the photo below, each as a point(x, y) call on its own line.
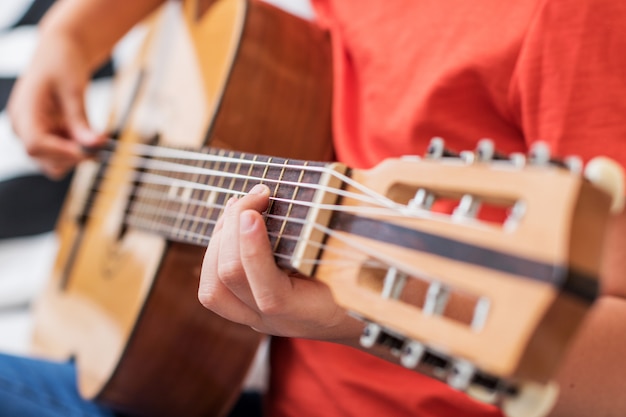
point(475, 268)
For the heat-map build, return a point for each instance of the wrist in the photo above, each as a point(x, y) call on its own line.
point(62, 38)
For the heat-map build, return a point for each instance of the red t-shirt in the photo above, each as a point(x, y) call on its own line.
point(409, 70)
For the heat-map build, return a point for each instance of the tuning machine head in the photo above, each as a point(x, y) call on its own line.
point(603, 172)
point(485, 151)
point(608, 175)
point(437, 150)
point(541, 155)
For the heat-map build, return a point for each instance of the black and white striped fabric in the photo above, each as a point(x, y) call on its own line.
point(29, 202)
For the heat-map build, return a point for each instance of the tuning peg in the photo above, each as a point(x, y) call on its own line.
point(518, 210)
point(436, 299)
point(530, 400)
point(518, 159)
point(393, 283)
point(467, 208)
point(371, 335)
point(574, 164)
point(423, 200)
point(376, 335)
point(412, 354)
point(539, 154)
point(481, 314)
point(486, 151)
point(461, 374)
point(437, 150)
point(608, 175)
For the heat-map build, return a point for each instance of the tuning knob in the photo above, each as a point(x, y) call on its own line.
point(436, 148)
point(608, 175)
point(532, 400)
point(539, 154)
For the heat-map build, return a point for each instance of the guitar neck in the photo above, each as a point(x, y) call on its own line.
point(181, 194)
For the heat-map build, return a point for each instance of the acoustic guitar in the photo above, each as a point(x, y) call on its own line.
point(485, 303)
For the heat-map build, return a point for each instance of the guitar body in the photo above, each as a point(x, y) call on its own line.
point(238, 75)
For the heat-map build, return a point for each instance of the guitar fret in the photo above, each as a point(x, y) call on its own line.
point(264, 175)
point(200, 206)
point(191, 209)
point(251, 167)
point(163, 204)
point(294, 195)
point(284, 221)
point(144, 198)
point(209, 197)
point(233, 179)
point(136, 198)
point(273, 207)
point(220, 197)
point(204, 200)
point(174, 204)
point(182, 213)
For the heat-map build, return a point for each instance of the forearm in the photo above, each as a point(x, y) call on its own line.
point(93, 26)
point(614, 262)
point(592, 375)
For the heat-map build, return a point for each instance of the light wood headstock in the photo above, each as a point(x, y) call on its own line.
point(474, 268)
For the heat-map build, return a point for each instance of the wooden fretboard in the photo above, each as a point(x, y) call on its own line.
point(184, 206)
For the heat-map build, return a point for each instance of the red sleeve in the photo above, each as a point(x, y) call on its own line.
point(569, 85)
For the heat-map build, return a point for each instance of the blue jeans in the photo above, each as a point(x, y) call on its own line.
point(30, 388)
point(38, 388)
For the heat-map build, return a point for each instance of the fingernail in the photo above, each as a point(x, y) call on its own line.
point(246, 221)
point(258, 189)
point(86, 136)
point(231, 201)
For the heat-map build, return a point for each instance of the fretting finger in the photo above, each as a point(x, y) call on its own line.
point(215, 296)
point(230, 270)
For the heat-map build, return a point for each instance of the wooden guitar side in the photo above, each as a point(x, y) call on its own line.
point(241, 75)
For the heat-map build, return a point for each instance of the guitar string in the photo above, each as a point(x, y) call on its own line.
point(157, 208)
point(137, 220)
point(399, 210)
point(348, 256)
point(113, 186)
point(145, 154)
point(155, 214)
point(157, 211)
point(386, 206)
point(374, 259)
point(384, 203)
point(202, 238)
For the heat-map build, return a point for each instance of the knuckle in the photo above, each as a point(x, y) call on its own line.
point(206, 299)
point(33, 148)
point(207, 295)
point(230, 272)
point(252, 252)
point(270, 305)
point(54, 171)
